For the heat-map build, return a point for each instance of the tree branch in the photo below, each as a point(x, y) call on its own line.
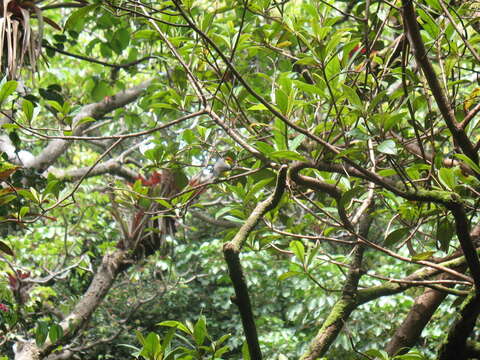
point(231, 251)
point(413, 33)
point(456, 345)
point(95, 110)
point(345, 305)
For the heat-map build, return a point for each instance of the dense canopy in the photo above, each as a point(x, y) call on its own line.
point(239, 179)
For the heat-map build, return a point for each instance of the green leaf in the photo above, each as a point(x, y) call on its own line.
point(120, 40)
point(140, 337)
point(100, 90)
point(258, 107)
point(264, 148)
point(281, 99)
point(280, 135)
point(53, 187)
point(388, 147)
point(308, 60)
point(24, 210)
point(447, 177)
point(10, 127)
point(287, 155)
point(7, 89)
point(41, 333)
point(445, 232)
point(200, 330)
point(167, 339)
point(84, 120)
point(76, 19)
point(245, 352)
point(27, 108)
point(350, 195)
point(296, 142)
point(218, 353)
point(152, 346)
point(164, 203)
point(298, 249)
point(222, 339)
point(352, 97)
point(312, 253)
point(54, 104)
point(469, 162)
point(374, 353)
point(55, 333)
point(387, 172)
point(146, 35)
point(259, 185)
point(288, 274)
point(7, 198)
point(175, 324)
point(423, 256)
point(395, 236)
point(308, 88)
point(189, 136)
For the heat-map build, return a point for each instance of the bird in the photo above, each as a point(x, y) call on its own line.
point(206, 177)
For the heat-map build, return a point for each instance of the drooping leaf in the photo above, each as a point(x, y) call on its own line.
point(388, 147)
point(395, 236)
point(200, 330)
point(7, 89)
point(447, 177)
point(298, 249)
point(445, 232)
point(175, 324)
point(76, 19)
point(41, 333)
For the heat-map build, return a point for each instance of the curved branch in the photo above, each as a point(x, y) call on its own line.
point(313, 183)
point(231, 251)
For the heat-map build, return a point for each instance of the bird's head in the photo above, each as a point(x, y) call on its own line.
point(222, 165)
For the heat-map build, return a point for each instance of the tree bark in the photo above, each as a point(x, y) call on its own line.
point(101, 283)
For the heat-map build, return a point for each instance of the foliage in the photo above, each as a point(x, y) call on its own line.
point(115, 218)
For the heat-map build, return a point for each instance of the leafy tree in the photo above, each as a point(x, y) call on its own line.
point(348, 217)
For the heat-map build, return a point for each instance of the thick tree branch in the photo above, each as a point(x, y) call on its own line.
point(231, 251)
point(96, 110)
point(413, 33)
point(421, 312)
point(322, 186)
point(463, 234)
point(418, 317)
point(455, 346)
point(101, 283)
point(345, 305)
point(112, 166)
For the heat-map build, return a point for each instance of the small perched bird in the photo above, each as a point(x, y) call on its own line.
point(205, 176)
